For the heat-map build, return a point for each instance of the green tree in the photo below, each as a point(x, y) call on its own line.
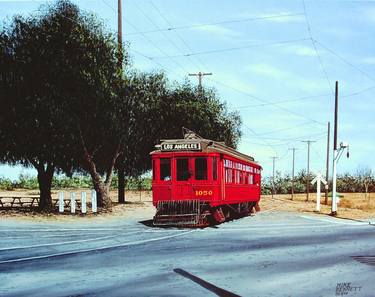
point(159, 110)
point(60, 84)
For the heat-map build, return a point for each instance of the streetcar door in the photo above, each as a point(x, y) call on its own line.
point(183, 179)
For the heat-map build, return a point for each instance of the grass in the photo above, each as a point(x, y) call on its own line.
point(351, 205)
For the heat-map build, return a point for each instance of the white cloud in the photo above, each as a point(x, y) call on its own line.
point(285, 17)
point(267, 70)
point(301, 50)
point(275, 17)
point(218, 30)
point(369, 14)
point(369, 60)
point(288, 78)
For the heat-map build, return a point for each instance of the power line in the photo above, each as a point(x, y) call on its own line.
point(171, 28)
point(345, 61)
point(266, 101)
point(308, 168)
point(147, 39)
point(214, 51)
point(305, 98)
point(179, 36)
point(157, 47)
point(256, 134)
point(285, 101)
point(314, 46)
point(109, 5)
point(156, 26)
point(287, 128)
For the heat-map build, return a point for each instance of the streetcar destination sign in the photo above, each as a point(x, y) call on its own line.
point(193, 146)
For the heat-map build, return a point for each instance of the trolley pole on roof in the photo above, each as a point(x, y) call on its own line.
point(273, 175)
point(327, 164)
point(200, 75)
point(294, 152)
point(308, 168)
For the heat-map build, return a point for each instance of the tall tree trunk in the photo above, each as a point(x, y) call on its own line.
point(45, 176)
point(121, 182)
point(102, 192)
point(101, 188)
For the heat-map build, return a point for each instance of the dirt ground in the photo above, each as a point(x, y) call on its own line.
point(351, 206)
point(139, 204)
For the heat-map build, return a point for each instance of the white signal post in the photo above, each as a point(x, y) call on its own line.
point(83, 203)
point(94, 202)
point(73, 202)
point(61, 202)
point(318, 179)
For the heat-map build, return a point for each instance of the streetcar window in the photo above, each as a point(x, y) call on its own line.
point(228, 175)
point(165, 169)
point(183, 169)
point(251, 181)
point(153, 170)
point(214, 168)
point(200, 168)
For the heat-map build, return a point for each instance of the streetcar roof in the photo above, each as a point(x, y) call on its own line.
point(194, 143)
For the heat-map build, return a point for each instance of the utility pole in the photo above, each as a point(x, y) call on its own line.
point(200, 75)
point(273, 175)
point(119, 33)
point(335, 153)
point(121, 168)
point(294, 151)
point(327, 164)
point(308, 168)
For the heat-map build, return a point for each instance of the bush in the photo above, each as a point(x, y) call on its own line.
point(6, 184)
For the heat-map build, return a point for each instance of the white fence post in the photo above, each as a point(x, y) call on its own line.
point(61, 201)
point(83, 203)
point(73, 202)
point(94, 201)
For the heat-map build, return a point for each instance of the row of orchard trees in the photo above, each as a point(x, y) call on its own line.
point(67, 107)
point(363, 180)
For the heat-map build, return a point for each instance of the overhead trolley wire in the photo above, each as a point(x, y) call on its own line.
point(178, 36)
point(214, 51)
point(315, 48)
point(146, 38)
point(171, 28)
point(345, 60)
point(266, 101)
point(156, 26)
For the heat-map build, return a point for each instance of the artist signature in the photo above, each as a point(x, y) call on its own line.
point(343, 289)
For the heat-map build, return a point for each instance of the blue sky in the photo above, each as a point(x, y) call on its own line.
point(274, 61)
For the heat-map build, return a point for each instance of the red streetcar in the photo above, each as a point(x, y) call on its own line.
point(200, 182)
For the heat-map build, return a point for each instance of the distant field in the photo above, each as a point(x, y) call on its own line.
point(351, 205)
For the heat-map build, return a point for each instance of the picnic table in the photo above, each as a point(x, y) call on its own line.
point(19, 200)
point(55, 202)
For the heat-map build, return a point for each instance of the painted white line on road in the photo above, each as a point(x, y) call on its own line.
point(286, 227)
point(255, 228)
point(56, 243)
point(162, 231)
point(65, 230)
point(94, 250)
point(334, 221)
point(31, 236)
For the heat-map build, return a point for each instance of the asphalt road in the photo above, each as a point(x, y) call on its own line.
point(270, 254)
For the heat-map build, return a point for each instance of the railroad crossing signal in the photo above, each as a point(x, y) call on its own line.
point(318, 179)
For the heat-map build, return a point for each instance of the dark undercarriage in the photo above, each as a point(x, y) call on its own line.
point(195, 213)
